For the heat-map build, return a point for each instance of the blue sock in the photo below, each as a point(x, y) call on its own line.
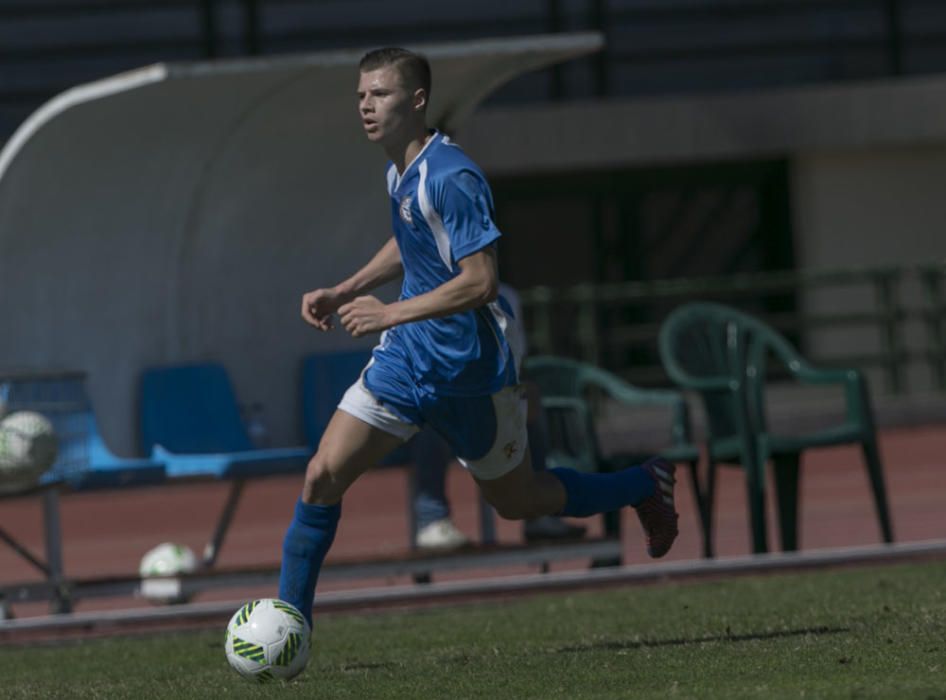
point(307, 541)
point(589, 494)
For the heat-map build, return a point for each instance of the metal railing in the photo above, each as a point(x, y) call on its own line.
point(616, 325)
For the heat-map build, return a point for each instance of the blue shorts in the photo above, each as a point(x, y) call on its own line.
point(487, 433)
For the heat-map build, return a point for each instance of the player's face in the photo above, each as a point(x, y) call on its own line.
point(385, 105)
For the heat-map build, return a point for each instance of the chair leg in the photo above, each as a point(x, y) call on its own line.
point(876, 473)
point(709, 498)
point(755, 495)
point(786, 488)
point(611, 521)
point(702, 507)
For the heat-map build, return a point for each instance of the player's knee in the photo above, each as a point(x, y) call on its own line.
point(321, 481)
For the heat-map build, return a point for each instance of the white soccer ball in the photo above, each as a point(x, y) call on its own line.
point(28, 447)
point(268, 639)
point(166, 560)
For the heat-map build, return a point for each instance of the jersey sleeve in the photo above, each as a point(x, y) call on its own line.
point(466, 207)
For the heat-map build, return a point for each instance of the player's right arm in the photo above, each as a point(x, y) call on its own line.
point(319, 304)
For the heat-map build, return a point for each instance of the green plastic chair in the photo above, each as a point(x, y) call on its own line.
point(721, 353)
point(566, 387)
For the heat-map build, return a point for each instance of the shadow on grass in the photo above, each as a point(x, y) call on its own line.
point(608, 645)
point(367, 666)
point(617, 645)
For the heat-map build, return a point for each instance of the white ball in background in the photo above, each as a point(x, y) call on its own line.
point(167, 559)
point(28, 447)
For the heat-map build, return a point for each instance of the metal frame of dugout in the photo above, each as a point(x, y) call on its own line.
point(62, 592)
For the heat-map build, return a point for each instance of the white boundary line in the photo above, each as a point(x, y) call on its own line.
point(422, 593)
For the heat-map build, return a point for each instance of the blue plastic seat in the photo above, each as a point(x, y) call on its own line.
point(325, 378)
point(107, 470)
point(190, 420)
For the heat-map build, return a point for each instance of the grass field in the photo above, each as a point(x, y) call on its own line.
point(871, 632)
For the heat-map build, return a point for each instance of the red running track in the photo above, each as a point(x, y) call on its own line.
point(106, 533)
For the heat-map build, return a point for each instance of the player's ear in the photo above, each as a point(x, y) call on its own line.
point(420, 100)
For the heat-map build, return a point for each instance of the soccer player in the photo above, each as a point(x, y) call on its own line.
point(448, 354)
point(435, 531)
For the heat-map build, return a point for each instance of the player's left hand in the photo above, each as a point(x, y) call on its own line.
point(364, 315)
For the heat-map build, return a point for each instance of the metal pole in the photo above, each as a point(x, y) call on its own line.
point(542, 338)
point(588, 323)
point(24, 552)
point(555, 25)
point(886, 284)
point(599, 20)
point(251, 26)
point(212, 548)
point(53, 532)
point(894, 17)
point(208, 27)
point(935, 323)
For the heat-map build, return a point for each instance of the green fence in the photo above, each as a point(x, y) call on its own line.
point(616, 325)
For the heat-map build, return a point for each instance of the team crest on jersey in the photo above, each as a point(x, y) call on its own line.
point(405, 210)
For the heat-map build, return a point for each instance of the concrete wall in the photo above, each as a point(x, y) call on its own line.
point(868, 163)
point(866, 207)
point(870, 207)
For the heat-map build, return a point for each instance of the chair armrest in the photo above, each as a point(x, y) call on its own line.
point(809, 374)
point(634, 396)
point(855, 390)
point(803, 370)
point(630, 394)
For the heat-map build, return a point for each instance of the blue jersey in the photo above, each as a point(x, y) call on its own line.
point(442, 211)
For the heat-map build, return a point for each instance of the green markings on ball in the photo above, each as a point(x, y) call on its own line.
point(245, 612)
point(290, 611)
point(289, 650)
point(264, 676)
point(248, 650)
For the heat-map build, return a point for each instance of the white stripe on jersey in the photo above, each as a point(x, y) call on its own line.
point(512, 331)
point(394, 177)
point(433, 218)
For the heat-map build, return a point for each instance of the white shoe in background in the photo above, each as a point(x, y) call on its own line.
point(441, 536)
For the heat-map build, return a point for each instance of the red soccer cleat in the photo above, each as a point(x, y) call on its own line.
point(657, 513)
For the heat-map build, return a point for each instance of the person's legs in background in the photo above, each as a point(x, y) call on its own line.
point(435, 530)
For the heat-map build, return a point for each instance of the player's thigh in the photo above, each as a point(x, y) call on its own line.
point(487, 433)
point(348, 447)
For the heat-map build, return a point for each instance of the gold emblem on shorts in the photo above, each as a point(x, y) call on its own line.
point(510, 448)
